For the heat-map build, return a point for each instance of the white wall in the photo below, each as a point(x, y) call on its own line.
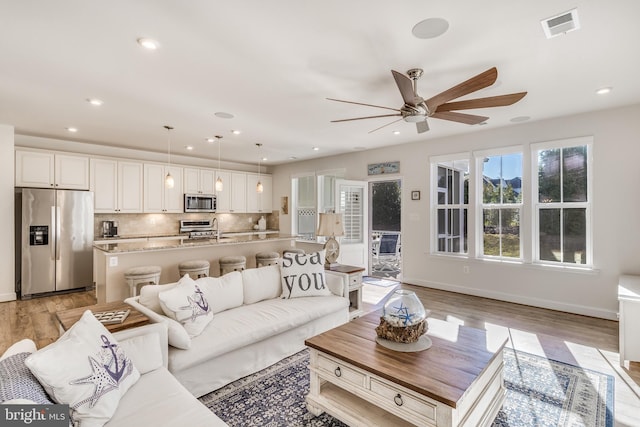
point(7, 249)
point(616, 204)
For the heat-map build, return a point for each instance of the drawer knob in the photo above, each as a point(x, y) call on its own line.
point(338, 372)
point(398, 399)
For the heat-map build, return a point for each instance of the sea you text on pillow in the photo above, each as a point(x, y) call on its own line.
point(304, 279)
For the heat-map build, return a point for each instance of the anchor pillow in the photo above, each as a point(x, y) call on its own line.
point(303, 275)
point(187, 304)
point(87, 369)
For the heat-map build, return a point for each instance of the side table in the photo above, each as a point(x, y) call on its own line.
point(67, 318)
point(354, 293)
point(629, 312)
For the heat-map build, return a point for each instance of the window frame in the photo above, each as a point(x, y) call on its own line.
point(536, 205)
point(480, 206)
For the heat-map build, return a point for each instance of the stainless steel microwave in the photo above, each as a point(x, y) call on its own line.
point(199, 203)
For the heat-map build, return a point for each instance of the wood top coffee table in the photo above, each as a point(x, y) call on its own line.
point(67, 318)
point(457, 382)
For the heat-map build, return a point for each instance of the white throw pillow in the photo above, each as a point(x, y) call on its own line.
point(86, 369)
point(23, 346)
point(223, 292)
point(261, 283)
point(303, 275)
point(149, 296)
point(187, 304)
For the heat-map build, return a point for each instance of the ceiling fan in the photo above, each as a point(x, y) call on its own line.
point(416, 109)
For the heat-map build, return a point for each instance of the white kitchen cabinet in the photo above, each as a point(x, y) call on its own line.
point(259, 202)
point(116, 186)
point(199, 181)
point(223, 197)
point(157, 197)
point(233, 197)
point(45, 169)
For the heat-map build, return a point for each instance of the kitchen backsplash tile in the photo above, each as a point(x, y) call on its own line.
point(169, 224)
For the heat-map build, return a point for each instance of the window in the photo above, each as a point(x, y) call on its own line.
point(563, 202)
point(501, 205)
point(312, 194)
point(451, 205)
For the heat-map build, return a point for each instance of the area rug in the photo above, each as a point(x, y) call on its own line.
point(378, 281)
point(540, 392)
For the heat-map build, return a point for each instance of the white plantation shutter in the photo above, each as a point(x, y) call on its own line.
point(352, 204)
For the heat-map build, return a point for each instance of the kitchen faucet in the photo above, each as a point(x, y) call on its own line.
point(215, 228)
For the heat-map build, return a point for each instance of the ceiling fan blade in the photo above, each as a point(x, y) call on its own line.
point(475, 83)
point(368, 117)
point(406, 88)
point(490, 101)
point(360, 103)
point(388, 124)
point(422, 127)
point(469, 119)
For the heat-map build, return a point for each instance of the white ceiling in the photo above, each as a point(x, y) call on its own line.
point(272, 64)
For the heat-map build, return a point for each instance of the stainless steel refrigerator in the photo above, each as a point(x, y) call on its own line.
point(54, 239)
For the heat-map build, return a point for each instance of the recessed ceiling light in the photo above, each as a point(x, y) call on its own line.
point(188, 147)
point(520, 119)
point(71, 129)
point(148, 43)
point(236, 132)
point(396, 132)
point(223, 115)
point(604, 90)
point(430, 28)
point(293, 158)
point(316, 148)
point(95, 101)
point(210, 140)
point(264, 159)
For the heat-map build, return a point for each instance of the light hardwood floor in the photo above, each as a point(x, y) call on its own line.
point(579, 340)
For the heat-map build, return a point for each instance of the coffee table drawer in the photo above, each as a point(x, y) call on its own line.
point(400, 400)
point(340, 372)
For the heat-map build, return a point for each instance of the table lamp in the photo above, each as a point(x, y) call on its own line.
point(330, 226)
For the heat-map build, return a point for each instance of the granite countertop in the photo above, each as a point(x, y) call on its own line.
point(155, 245)
point(184, 236)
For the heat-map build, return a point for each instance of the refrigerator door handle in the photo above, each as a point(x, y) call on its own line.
point(57, 233)
point(51, 234)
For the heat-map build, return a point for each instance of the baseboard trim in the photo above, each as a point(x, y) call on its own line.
point(9, 296)
point(518, 299)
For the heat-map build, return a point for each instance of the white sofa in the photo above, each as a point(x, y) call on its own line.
point(252, 326)
point(156, 398)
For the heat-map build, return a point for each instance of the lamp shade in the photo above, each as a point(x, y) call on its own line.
point(330, 225)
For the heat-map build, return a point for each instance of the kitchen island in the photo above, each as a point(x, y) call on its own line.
point(110, 260)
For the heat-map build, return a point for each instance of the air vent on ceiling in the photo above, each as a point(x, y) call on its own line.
point(561, 24)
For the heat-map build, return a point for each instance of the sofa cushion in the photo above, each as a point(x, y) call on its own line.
point(149, 296)
point(86, 369)
point(187, 304)
point(223, 292)
point(247, 324)
point(261, 283)
point(23, 346)
point(17, 381)
point(303, 275)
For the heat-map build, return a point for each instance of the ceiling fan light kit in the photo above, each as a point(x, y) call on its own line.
point(416, 109)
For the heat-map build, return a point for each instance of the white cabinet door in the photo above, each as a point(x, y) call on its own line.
point(130, 187)
point(157, 197)
point(238, 192)
point(34, 169)
point(224, 196)
point(71, 172)
point(191, 180)
point(104, 184)
point(259, 202)
point(207, 181)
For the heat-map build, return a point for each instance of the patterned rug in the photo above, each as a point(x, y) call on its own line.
point(540, 392)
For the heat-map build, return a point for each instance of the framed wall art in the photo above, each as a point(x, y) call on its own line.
point(383, 168)
point(415, 195)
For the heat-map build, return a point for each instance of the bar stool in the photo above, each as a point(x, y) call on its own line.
point(232, 263)
point(140, 276)
point(267, 258)
point(195, 269)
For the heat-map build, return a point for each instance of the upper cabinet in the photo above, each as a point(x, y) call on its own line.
point(116, 186)
point(233, 197)
point(44, 169)
point(157, 197)
point(199, 181)
point(259, 202)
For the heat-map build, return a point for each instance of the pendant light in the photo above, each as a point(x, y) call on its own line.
point(259, 187)
point(219, 184)
point(168, 180)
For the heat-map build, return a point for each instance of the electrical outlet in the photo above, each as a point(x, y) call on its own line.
point(113, 261)
point(465, 269)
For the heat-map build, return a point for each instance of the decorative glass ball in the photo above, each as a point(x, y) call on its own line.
point(403, 309)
